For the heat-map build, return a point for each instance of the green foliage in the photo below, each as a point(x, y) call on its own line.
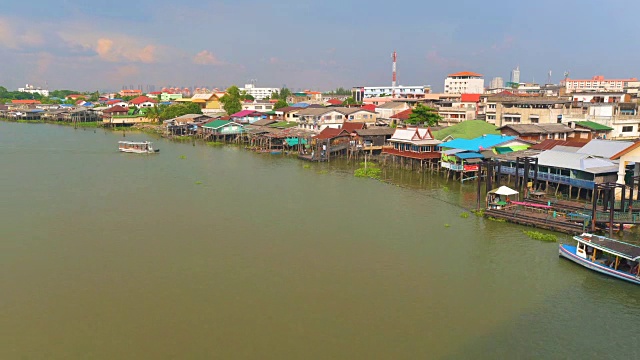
point(275, 95)
point(369, 171)
point(496, 219)
point(423, 114)
point(339, 91)
point(214, 143)
point(541, 236)
point(350, 101)
point(183, 157)
point(447, 225)
point(173, 111)
point(284, 93)
point(464, 215)
point(280, 104)
point(231, 100)
point(198, 182)
point(306, 166)
point(478, 213)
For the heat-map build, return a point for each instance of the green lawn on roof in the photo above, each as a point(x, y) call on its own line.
point(469, 129)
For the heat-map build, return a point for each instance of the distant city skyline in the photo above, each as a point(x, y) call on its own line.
point(304, 44)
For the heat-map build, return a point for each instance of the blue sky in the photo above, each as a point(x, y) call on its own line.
point(316, 45)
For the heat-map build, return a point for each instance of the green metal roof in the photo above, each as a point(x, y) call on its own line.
point(216, 124)
point(593, 126)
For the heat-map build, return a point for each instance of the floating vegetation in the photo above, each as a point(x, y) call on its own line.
point(322, 172)
point(370, 170)
point(541, 236)
point(464, 215)
point(214, 143)
point(445, 188)
point(447, 225)
point(306, 166)
point(198, 182)
point(183, 157)
point(478, 212)
point(496, 219)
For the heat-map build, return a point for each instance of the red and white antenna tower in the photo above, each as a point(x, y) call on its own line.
point(394, 57)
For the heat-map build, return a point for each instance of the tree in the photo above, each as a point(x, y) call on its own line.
point(350, 101)
point(231, 100)
point(423, 114)
point(280, 104)
point(284, 93)
point(173, 111)
point(153, 113)
point(275, 95)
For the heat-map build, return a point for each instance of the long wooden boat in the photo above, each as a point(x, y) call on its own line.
point(604, 255)
point(137, 147)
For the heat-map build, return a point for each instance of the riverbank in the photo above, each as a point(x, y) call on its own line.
point(377, 167)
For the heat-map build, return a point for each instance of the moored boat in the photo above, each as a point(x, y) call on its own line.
point(606, 256)
point(137, 147)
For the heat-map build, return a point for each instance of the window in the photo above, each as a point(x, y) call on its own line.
point(627, 128)
point(534, 119)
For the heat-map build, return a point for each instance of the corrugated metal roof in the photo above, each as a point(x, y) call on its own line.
point(575, 161)
point(604, 148)
point(484, 142)
point(469, 155)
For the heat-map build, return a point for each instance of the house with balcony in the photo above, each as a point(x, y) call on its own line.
point(319, 118)
point(209, 103)
point(622, 117)
point(413, 143)
point(258, 105)
point(221, 129)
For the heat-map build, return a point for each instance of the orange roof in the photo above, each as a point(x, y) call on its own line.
point(403, 115)
point(465, 73)
point(25, 101)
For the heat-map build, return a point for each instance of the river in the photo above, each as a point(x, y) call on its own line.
point(203, 252)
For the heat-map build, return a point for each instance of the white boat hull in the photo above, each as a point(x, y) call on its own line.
point(569, 252)
point(133, 151)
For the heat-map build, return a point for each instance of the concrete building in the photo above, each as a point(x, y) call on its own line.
point(34, 90)
point(360, 93)
point(258, 93)
point(464, 82)
point(598, 83)
point(515, 75)
point(496, 83)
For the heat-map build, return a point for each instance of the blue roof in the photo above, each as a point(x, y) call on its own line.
point(469, 155)
point(484, 142)
point(300, 104)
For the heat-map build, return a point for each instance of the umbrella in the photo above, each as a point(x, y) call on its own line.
point(504, 190)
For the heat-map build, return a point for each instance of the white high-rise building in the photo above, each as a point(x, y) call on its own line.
point(34, 90)
point(515, 75)
point(258, 93)
point(464, 82)
point(496, 83)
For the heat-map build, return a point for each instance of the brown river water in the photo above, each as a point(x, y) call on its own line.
point(203, 252)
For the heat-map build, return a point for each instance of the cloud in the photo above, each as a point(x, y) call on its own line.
point(125, 73)
point(506, 43)
point(206, 57)
point(435, 58)
point(274, 60)
point(124, 51)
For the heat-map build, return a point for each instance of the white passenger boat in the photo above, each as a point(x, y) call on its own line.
point(137, 147)
point(606, 256)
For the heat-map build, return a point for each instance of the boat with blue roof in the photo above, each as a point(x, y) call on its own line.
point(605, 255)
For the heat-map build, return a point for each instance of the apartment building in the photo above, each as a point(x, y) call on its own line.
point(465, 82)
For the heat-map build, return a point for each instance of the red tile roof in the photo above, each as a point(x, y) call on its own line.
point(28, 101)
point(465, 73)
point(352, 126)
point(111, 102)
point(474, 98)
point(116, 109)
point(334, 102)
point(330, 133)
point(403, 115)
point(369, 107)
point(141, 99)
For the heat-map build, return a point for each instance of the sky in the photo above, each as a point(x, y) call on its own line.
point(310, 44)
